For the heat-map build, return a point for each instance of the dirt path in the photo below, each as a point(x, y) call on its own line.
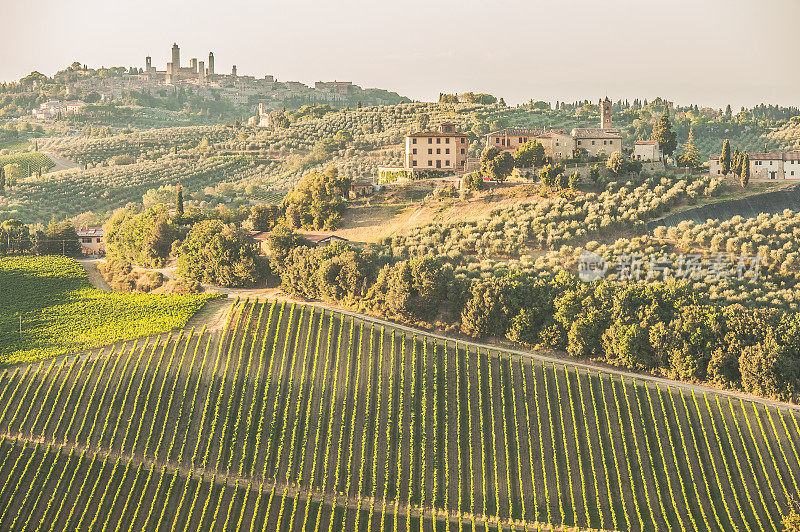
point(61, 163)
point(95, 277)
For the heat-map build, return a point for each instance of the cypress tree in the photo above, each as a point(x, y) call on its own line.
point(2, 178)
point(745, 179)
point(725, 158)
point(662, 133)
point(179, 200)
point(691, 155)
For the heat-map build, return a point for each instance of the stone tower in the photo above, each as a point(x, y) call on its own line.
point(202, 72)
point(148, 63)
point(605, 114)
point(233, 71)
point(210, 63)
point(176, 59)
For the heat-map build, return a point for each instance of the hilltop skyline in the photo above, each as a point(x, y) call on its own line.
point(620, 48)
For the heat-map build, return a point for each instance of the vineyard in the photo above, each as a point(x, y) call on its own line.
point(294, 418)
point(49, 309)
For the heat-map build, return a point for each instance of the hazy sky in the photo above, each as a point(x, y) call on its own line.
point(709, 52)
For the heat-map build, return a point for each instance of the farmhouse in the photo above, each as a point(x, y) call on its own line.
point(317, 239)
point(322, 239)
point(784, 165)
point(443, 150)
point(92, 243)
point(647, 150)
point(558, 143)
point(596, 141)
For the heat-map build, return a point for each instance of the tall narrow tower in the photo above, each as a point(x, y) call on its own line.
point(148, 63)
point(176, 59)
point(233, 71)
point(210, 63)
point(605, 114)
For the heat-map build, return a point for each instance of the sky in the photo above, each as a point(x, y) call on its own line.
point(705, 52)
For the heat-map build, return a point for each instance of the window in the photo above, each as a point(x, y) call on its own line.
point(447, 140)
point(430, 163)
point(430, 151)
point(520, 140)
point(579, 143)
point(430, 140)
point(413, 141)
point(462, 140)
point(98, 240)
point(462, 151)
point(447, 151)
point(413, 163)
point(438, 151)
point(438, 140)
point(592, 143)
point(447, 162)
point(496, 140)
point(414, 151)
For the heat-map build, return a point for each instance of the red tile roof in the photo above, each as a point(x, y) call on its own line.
point(90, 231)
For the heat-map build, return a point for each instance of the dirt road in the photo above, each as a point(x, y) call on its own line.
point(61, 163)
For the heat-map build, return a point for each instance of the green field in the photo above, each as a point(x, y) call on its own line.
point(30, 161)
point(61, 312)
point(292, 418)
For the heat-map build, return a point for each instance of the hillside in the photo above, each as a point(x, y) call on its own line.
point(235, 164)
point(292, 415)
point(50, 309)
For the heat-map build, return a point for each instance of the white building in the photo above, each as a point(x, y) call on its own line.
point(647, 150)
point(784, 165)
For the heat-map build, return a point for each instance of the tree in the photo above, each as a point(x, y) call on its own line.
point(662, 133)
point(745, 172)
point(728, 113)
point(615, 163)
point(691, 155)
point(791, 521)
point(179, 200)
point(495, 164)
point(60, 238)
point(220, 254)
point(574, 180)
point(317, 201)
point(530, 154)
point(725, 158)
point(2, 179)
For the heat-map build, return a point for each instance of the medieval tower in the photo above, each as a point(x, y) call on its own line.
point(210, 63)
point(176, 59)
point(605, 114)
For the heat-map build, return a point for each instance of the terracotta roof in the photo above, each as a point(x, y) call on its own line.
point(645, 142)
point(786, 156)
point(511, 132)
point(436, 134)
point(319, 237)
point(595, 133)
point(90, 231)
point(259, 236)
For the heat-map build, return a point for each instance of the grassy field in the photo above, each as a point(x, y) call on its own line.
point(61, 312)
point(296, 419)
